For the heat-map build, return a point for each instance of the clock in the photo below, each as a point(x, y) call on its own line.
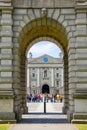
point(45, 59)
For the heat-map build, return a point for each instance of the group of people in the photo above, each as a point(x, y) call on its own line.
point(44, 97)
point(34, 98)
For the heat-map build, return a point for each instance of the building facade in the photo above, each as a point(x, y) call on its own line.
point(45, 75)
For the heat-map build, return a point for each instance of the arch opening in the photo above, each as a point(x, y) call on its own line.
point(53, 32)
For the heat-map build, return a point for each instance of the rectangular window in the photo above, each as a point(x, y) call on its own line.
point(57, 83)
point(45, 74)
point(33, 68)
point(33, 75)
point(57, 75)
point(33, 83)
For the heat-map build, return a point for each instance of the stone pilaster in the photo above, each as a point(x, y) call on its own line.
point(52, 77)
point(72, 76)
point(6, 64)
point(80, 95)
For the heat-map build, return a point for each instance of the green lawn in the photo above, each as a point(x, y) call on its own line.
point(82, 126)
point(5, 126)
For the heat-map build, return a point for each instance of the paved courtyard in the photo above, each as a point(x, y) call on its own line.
point(50, 107)
point(36, 119)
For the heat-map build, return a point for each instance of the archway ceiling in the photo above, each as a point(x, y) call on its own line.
point(49, 28)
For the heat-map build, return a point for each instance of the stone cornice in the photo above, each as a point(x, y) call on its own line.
point(42, 3)
point(6, 8)
point(6, 96)
point(80, 95)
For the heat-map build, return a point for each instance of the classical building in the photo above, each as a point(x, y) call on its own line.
point(45, 75)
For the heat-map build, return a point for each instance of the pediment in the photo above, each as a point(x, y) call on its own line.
point(45, 59)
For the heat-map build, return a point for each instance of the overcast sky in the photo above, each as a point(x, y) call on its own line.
point(44, 47)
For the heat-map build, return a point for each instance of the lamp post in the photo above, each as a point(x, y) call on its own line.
point(45, 103)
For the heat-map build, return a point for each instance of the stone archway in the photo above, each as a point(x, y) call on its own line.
point(22, 23)
point(45, 89)
point(53, 32)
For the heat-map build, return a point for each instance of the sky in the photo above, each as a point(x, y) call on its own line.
point(44, 47)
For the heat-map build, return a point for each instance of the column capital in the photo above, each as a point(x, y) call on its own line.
point(6, 4)
point(81, 6)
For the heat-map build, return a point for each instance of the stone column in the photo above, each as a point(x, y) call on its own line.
point(6, 67)
point(38, 77)
point(80, 95)
point(52, 77)
point(66, 89)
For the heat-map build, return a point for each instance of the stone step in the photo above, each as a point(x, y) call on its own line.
point(79, 121)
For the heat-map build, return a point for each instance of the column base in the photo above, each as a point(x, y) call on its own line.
point(69, 116)
point(64, 109)
point(7, 117)
point(79, 118)
point(19, 111)
point(24, 110)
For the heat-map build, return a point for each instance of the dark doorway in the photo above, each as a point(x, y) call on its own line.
point(45, 89)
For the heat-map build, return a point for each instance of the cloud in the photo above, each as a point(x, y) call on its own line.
point(44, 47)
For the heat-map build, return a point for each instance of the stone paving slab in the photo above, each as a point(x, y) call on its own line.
point(44, 127)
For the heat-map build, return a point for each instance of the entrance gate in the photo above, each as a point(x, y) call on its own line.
point(25, 22)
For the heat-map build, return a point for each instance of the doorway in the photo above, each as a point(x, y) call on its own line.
point(45, 89)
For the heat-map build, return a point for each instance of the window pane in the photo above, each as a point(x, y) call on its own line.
point(33, 74)
point(45, 73)
point(57, 75)
point(57, 83)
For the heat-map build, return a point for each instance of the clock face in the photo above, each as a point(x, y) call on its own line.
point(45, 59)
